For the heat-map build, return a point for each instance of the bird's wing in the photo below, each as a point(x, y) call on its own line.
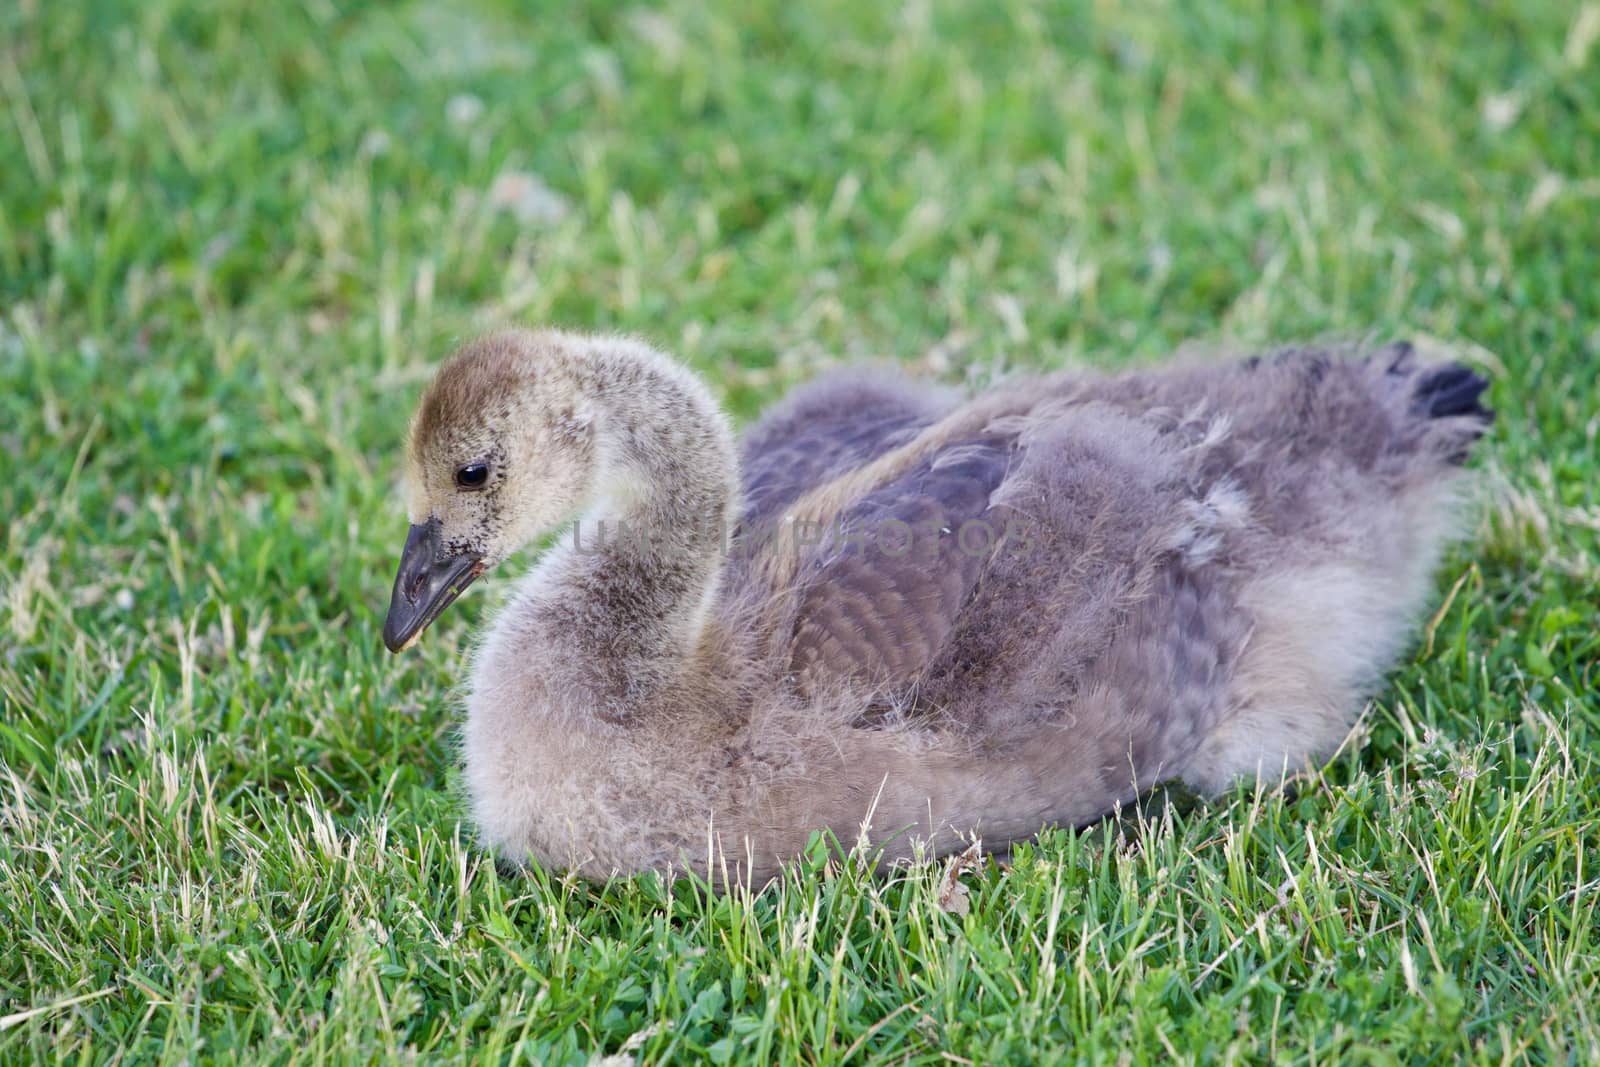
point(833, 425)
point(880, 593)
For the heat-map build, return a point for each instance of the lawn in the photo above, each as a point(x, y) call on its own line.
point(236, 238)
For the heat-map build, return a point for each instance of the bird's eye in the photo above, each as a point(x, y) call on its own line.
point(473, 476)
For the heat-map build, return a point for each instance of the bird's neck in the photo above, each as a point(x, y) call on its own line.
point(630, 586)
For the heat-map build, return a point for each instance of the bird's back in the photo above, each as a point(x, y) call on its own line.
point(1131, 530)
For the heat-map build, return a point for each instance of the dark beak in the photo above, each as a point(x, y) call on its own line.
point(427, 582)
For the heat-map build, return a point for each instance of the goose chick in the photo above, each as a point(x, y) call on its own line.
point(934, 617)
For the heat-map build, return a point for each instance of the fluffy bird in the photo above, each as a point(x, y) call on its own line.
point(906, 617)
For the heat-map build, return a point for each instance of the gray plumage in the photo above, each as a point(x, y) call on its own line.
point(1197, 574)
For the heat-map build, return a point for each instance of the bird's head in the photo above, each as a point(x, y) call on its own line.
point(501, 450)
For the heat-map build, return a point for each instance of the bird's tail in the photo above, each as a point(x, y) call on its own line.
point(1448, 397)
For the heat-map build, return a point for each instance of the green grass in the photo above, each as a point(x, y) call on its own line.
point(235, 238)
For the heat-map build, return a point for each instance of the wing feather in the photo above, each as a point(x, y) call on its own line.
point(879, 599)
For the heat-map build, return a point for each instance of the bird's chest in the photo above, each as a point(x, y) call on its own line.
point(555, 779)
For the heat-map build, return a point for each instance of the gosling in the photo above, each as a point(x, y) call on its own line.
point(905, 618)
